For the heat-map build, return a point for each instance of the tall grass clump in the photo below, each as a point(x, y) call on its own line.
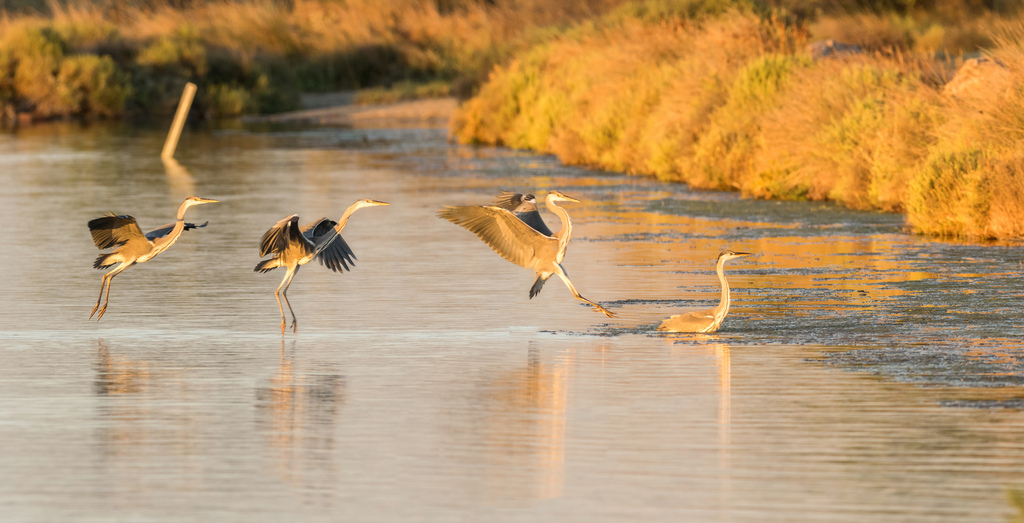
point(256, 56)
point(624, 95)
point(731, 100)
point(971, 184)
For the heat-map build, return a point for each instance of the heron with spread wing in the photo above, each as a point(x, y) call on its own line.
point(293, 246)
point(131, 246)
point(711, 319)
point(514, 229)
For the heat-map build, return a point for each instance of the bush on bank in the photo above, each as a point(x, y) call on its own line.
point(736, 101)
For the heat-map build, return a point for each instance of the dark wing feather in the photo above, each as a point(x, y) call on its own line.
point(528, 212)
point(508, 200)
point(509, 236)
point(285, 232)
point(525, 208)
point(336, 255)
point(162, 231)
point(114, 230)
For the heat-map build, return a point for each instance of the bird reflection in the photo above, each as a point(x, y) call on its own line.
point(298, 412)
point(117, 375)
point(526, 430)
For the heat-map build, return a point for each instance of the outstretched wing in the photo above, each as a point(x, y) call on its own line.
point(508, 200)
point(162, 231)
point(336, 255)
point(283, 234)
point(114, 230)
point(509, 236)
point(525, 208)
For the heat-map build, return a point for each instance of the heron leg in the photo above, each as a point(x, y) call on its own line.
point(597, 307)
point(108, 278)
point(277, 294)
point(103, 284)
point(284, 294)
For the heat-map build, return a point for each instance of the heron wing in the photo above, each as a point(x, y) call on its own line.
point(282, 235)
point(523, 209)
point(115, 230)
point(508, 200)
point(162, 231)
point(509, 236)
point(532, 218)
point(336, 255)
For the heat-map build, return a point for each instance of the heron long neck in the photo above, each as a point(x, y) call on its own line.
point(565, 232)
point(162, 244)
point(337, 228)
point(723, 306)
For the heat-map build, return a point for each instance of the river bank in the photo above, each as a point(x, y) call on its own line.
point(747, 103)
point(340, 109)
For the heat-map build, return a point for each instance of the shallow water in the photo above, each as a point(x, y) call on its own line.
point(863, 373)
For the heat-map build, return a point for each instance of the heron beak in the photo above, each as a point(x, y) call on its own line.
point(567, 198)
point(375, 202)
point(738, 254)
point(206, 200)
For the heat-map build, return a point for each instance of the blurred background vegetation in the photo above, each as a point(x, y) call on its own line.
point(721, 94)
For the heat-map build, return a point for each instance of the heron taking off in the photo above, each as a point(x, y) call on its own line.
point(711, 319)
point(131, 245)
point(293, 246)
point(514, 229)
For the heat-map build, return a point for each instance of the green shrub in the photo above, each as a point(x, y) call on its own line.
point(90, 85)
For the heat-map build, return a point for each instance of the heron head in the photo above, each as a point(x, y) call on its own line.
point(728, 255)
point(195, 200)
point(366, 202)
point(555, 196)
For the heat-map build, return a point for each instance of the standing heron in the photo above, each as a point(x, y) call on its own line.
point(711, 319)
point(293, 247)
point(520, 241)
point(132, 246)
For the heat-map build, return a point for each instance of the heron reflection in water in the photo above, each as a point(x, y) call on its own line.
point(293, 246)
point(711, 319)
point(131, 245)
point(513, 228)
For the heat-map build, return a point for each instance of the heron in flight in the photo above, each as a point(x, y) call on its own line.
point(293, 246)
point(131, 245)
point(711, 319)
point(514, 229)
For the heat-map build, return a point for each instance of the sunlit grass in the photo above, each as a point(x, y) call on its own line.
point(733, 101)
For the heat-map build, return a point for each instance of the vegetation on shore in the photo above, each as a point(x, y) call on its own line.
point(101, 58)
point(719, 94)
point(733, 99)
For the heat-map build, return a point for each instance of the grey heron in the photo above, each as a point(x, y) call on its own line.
point(520, 242)
point(131, 245)
point(293, 246)
point(711, 319)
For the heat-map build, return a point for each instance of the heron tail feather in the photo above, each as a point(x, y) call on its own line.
point(537, 285)
point(103, 261)
point(267, 265)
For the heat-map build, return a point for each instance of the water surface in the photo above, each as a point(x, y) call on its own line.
point(863, 373)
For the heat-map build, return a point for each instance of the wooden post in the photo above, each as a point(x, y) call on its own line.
point(179, 121)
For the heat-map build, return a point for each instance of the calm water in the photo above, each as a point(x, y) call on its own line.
point(864, 373)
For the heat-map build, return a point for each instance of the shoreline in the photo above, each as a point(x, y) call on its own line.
point(340, 109)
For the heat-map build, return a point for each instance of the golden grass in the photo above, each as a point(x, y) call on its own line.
point(732, 102)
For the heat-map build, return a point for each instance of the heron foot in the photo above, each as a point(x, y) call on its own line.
point(295, 326)
point(93, 313)
point(604, 311)
point(102, 310)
